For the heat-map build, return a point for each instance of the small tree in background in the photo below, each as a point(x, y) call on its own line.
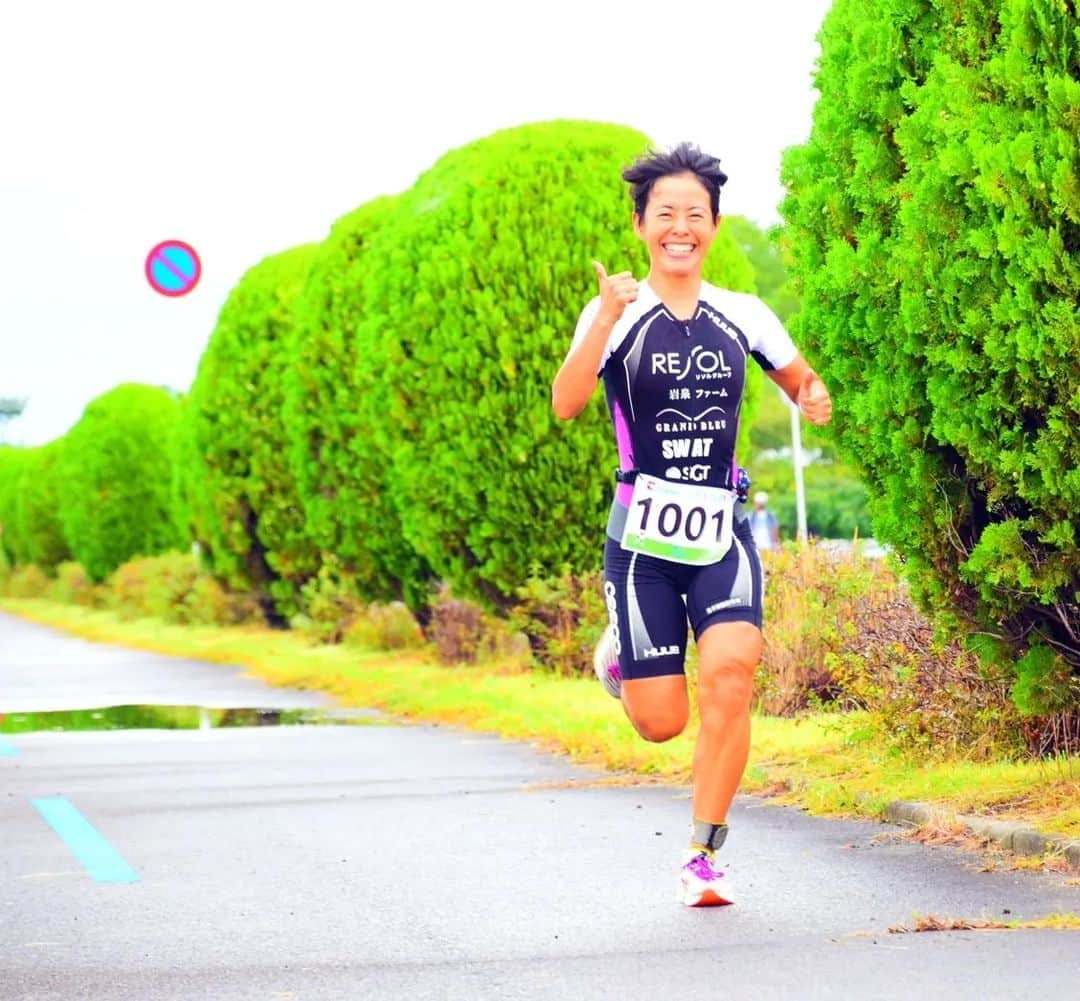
point(770, 272)
point(935, 224)
point(115, 471)
point(835, 496)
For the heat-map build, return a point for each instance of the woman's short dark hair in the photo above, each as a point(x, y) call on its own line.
point(648, 168)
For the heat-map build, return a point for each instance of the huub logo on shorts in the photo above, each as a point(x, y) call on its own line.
point(660, 651)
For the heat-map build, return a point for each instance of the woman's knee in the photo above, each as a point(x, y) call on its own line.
point(658, 727)
point(657, 707)
point(728, 660)
point(725, 689)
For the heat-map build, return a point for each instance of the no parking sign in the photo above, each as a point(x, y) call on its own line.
point(173, 268)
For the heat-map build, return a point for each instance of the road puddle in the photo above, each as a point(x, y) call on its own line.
point(180, 718)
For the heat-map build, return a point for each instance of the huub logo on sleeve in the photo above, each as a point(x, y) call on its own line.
point(720, 322)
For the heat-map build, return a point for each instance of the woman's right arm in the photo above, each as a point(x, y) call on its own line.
point(576, 380)
point(573, 386)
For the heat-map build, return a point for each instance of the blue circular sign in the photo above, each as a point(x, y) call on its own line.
point(173, 268)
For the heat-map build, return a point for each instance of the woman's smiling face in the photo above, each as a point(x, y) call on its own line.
point(678, 226)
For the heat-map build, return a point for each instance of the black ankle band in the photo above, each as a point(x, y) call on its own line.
point(712, 836)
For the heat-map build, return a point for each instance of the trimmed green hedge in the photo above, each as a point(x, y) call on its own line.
point(115, 469)
point(239, 493)
point(935, 224)
point(341, 475)
point(470, 302)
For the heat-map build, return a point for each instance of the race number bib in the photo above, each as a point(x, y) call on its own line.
point(678, 521)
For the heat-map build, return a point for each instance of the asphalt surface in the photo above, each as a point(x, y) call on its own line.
point(385, 861)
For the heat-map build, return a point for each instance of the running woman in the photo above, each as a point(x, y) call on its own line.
point(673, 352)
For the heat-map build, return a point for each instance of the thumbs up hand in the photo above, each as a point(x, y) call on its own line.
point(615, 292)
point(814, 400)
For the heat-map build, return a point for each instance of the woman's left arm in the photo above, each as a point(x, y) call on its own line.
point(805, 388)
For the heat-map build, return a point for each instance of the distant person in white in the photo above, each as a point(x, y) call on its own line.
point(763, 524)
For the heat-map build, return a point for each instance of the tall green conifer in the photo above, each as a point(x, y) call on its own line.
point(935, 222)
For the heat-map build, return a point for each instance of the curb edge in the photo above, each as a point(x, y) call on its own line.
point(1011, 835)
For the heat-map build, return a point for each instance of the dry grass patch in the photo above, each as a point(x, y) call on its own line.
point(931, 922)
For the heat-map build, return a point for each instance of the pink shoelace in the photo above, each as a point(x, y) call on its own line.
point(701, 865)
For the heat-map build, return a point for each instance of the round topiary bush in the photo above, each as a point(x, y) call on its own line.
point(234, 474)
point(470, 299)
point(115, 471)
point(934, 218)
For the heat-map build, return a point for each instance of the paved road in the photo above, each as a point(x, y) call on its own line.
point(342, 862)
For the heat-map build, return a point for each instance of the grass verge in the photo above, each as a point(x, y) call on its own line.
point(829, 764)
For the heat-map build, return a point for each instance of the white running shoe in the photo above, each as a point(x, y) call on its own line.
point(702, 883)
point(606, 663)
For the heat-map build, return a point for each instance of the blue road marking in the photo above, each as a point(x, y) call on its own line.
point(98, 857)
point(6, 749)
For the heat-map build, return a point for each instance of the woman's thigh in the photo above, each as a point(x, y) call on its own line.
point(648, 615)
point(647, 612)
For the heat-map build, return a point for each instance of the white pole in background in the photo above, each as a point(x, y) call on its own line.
point(797, 460)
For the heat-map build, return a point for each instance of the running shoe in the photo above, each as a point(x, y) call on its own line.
point(702, 883)
point(606, 663)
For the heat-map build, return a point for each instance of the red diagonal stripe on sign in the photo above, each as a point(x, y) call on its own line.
point(160, 256)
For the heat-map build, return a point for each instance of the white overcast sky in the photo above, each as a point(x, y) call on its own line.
point(248, 128)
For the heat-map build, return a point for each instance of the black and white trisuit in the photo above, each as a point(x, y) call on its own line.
point(674, 390)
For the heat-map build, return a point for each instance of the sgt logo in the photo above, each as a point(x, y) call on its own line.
point(695, 474)
point(703, 363)
point(613, 613)
point(660, 651)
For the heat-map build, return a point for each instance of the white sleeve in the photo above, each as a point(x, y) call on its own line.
point(770, 344)
point(588, 314)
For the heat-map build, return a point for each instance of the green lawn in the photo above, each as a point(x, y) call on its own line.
point(827, 763)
